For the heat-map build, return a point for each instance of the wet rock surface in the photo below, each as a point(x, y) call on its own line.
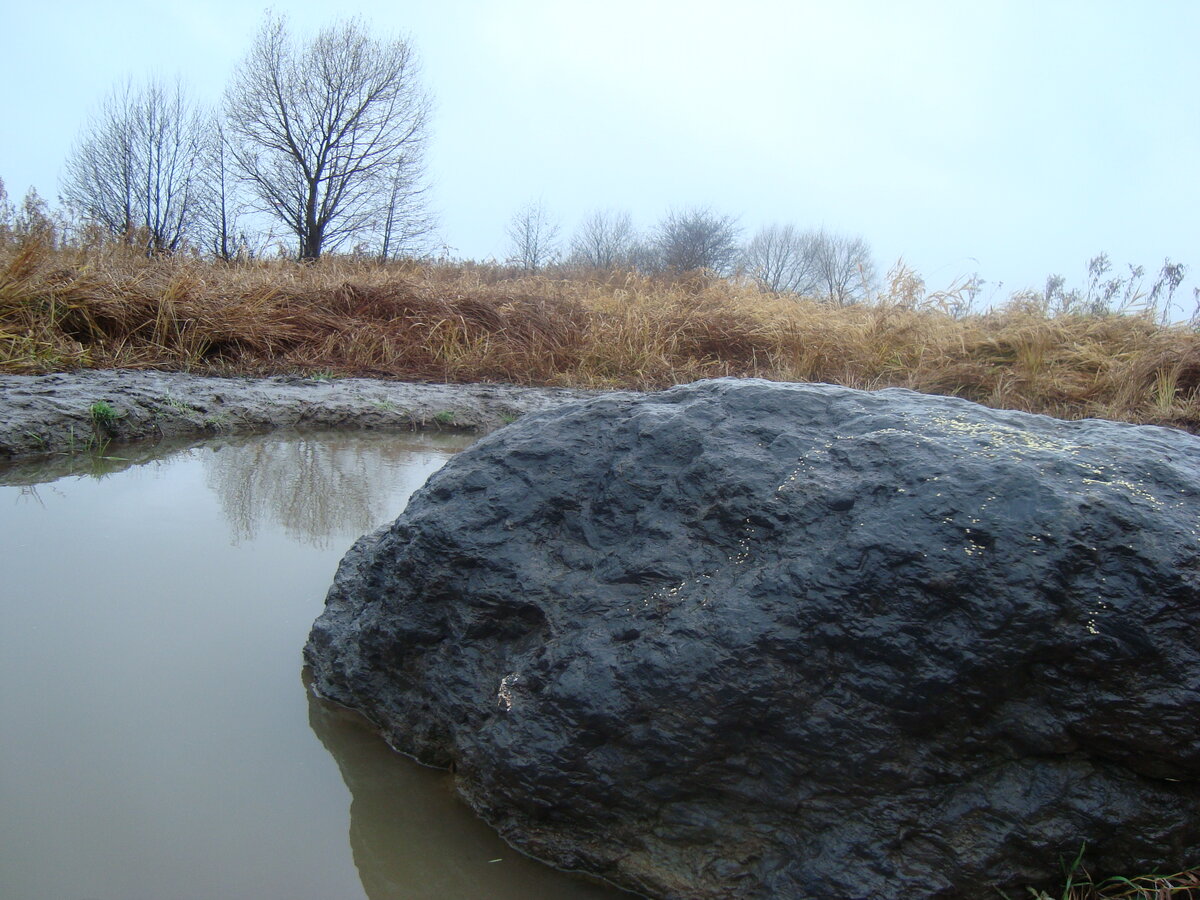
point(44, 414)
point(743, 639)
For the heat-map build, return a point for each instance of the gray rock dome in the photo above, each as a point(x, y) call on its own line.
point(749, 639)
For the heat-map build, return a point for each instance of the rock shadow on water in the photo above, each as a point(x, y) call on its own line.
point(413, 838)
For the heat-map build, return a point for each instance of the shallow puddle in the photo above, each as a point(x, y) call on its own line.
point(157, 740)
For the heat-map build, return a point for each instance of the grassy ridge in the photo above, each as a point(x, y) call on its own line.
point(65, 309)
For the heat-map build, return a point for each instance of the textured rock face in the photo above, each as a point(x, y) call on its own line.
point(743, 639)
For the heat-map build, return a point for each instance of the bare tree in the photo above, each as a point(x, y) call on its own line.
point(605, 240)
point(533, 238)
point(172, 139)
point(325, 131)
point(644, 256)
point(407, 223)
point(136, 169)
point(223, 205)
point(843, 271)
point(101, 171)
point(783, 260)
point(226, 226)
point(697, 238)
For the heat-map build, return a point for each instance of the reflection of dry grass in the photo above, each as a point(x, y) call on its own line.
point(472, 323)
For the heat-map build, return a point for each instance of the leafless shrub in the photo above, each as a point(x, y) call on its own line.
point(605, 240)
point(533, 238)
point(697, 239)
point(844, 272)
point(782, 259)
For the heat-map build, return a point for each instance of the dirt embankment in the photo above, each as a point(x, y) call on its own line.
point(85, 410)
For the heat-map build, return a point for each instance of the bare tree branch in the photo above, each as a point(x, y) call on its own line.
point(783, 260)
point(843, 268)
point(605, 240)
point(697, 239)
point(136, 168)
point(331, 135)
point(533, 237)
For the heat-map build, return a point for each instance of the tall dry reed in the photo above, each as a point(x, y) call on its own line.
point(463, 323)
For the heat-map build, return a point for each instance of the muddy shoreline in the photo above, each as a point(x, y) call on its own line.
point(84, 411)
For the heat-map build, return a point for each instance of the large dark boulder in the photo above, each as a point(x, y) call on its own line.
point(744, 639)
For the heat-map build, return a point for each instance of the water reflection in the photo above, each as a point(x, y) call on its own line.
point(314, 486)
point(28, 493)
point(189, 576)
point(111, 461)
point(412, 838)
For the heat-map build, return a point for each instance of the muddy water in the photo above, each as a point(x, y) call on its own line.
point(156, 740)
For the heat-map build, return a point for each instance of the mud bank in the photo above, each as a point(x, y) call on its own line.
point(84, 410)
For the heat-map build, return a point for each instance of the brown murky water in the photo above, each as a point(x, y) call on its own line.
point(156, 740)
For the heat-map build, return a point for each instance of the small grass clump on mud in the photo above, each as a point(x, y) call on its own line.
point(104, 415)
point(108, 308)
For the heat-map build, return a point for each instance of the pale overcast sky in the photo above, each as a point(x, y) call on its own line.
point(1010, 138)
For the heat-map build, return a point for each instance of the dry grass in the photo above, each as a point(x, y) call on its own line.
point(67, 309)
point(1180, 886)
point(1080, 885)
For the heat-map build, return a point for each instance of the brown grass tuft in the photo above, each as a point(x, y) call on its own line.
point(461, 323)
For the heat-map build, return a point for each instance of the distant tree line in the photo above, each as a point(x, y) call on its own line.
point(323, 139)
point(780, 258)
point(815, 263)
